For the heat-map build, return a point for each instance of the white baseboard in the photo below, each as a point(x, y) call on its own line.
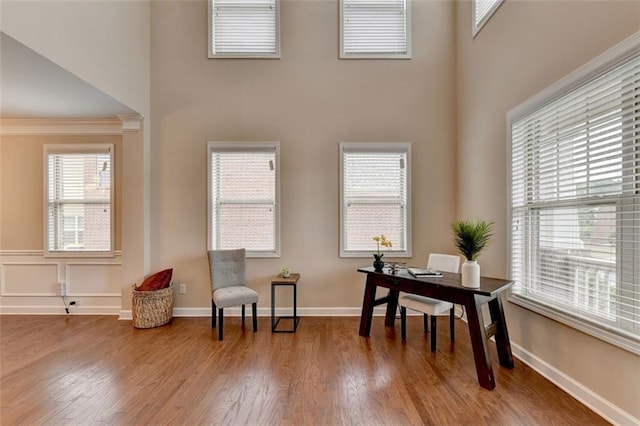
point(595, 402)
point(59, 310)
point(266, 312)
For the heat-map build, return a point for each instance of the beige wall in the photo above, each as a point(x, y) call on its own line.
point(524, 48)
point(105, 43)
point(309, 101)
point(22, 185)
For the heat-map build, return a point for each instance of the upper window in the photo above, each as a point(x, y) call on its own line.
point(482, 12)
point(244, 28)
point(375, 197)
point(575, 199)
point(244, 197)
point(79, 199)
point(375, 29)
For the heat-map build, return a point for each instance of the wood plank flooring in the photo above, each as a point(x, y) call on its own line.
point(98, 370)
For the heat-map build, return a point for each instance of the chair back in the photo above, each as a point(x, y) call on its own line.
point(444, 262)
point(228, 268)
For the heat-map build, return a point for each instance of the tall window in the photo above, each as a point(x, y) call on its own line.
point(79, 198)
point(575, 198)
point(375, 29)
point(244, 28)
point(482, 12)
point(244, 197)
point(375, 197)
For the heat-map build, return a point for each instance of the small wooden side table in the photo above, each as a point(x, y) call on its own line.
point(292, 281)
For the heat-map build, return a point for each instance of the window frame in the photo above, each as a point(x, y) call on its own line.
point(247, 147)
point(52, 149)
point(376, 55)
point(376, 147)
point(211, 48)
point(476, 26)
point(595, 68)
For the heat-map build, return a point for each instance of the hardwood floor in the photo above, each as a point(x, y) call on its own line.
point(98, 370)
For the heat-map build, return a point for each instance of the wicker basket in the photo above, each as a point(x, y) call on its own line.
point(152, 308)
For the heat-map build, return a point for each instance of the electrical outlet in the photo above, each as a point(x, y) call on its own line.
point(62, 288)
point(183, 288)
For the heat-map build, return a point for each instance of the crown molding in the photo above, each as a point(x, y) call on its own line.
point(24, 126)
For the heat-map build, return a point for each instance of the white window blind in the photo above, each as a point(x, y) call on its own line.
point(79, 210)
point(243, 198)
point(375, 190)
point(244, 28)
point(575, 201)
point(375, 28)
point(482, 12)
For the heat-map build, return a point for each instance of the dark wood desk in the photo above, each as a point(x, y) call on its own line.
point(447, 288)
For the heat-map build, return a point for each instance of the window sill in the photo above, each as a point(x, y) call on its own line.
point(623, 341)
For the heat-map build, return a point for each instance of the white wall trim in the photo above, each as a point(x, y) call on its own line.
point(266, 312)
point(130, 122)
point(591, 399)
point(59, 310)
point(116, 253)
point(15, 126)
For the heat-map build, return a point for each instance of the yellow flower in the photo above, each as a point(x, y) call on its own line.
point(381, 241)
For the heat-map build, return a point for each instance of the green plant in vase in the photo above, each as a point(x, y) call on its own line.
point(471, 237)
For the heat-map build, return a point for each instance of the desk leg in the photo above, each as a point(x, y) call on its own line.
point(367, 308)
point(273, 308)
point(479, 344)
point(392, 306)
point(295, 307)
point(502, 336)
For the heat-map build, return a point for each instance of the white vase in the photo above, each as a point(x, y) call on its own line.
point(470, 274)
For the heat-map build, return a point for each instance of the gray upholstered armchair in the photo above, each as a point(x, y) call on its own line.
point(228, 286)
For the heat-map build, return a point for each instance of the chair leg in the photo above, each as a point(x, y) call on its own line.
point(425, 321)
point(213, 314)
point(220, 330)
point(434, 332)
point(403, 322)
point(254, 313)
point(243, 316)
point(452, 327)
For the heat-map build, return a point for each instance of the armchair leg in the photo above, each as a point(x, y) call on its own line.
point(243, 316)
point(254, 313)
point(403, 322)
point(434, 332)
point(220, 329)
point(213, 314)
point(452, 327)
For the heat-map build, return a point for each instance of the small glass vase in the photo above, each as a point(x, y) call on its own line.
point(378, 264)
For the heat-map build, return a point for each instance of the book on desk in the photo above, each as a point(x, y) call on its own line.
point(424, 272)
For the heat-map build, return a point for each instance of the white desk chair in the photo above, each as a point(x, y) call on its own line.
point(427, 305)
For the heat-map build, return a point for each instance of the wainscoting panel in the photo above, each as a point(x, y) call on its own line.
point(92, 279)
point(29, 284)
point(29, 279)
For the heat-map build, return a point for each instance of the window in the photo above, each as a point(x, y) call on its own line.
point(375, 29)
point(482, 12)
point(375, 182)
point(244, 197)
point(244, 29)
point(575, 198)
point(79, 199)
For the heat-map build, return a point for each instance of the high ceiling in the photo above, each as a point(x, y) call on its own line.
point(31, 86)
